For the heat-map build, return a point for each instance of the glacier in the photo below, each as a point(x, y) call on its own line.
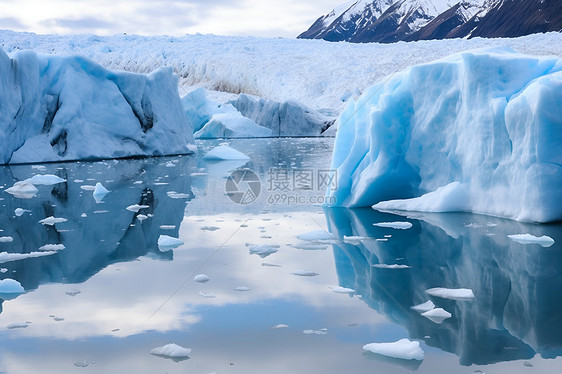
point(70, 108)
point(481, 126)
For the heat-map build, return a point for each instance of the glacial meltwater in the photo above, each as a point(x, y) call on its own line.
point(195, 266)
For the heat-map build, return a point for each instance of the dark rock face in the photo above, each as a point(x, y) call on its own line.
point(386, 21)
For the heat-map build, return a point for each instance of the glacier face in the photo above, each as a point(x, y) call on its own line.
point(487, 119)
point(70, 108)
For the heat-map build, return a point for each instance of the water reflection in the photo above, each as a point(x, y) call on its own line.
point(95, 234)
point(518, 288)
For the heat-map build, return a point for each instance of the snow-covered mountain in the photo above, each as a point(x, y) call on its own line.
point(389, 21)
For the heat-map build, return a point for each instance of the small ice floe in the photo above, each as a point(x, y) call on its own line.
point(315, 236)
point(88, 187)
point(52, 247)
point(73, 292)
point(3, 270)
point(354, 240)
point(342, 290)
point(22, 190)
point(262, 250)
point(172, 351)
point(224, 152)
point(322, 331)
point(17, 325)
point(99, 192)
point(473, 225)
point(388, 236)
point(10, 287)
point(198, 174)
point(83, 215)
point(7, 257)
point(39, 167)
point(403, 349)
point(453, 294)
point(310, 246)
point(394, 225)
point(392, 266)
point(280, 326)
point(424, 307)
point(207, 295)
point(46, 180)
point(267, 264)
point(382, 240)
point(543, 241)
point(210, 228)
point(82, 364)
point(166, 227)
point(142, 217)
point(201, 278)
point(58, 319)
point(6, 239)
point(166, 243)
point(178, 195)
point(170, 164)
point(19, 212)
point(242, 289)
point(50, 221)
point(304, 273)
point(136, 207)
point(437, 315)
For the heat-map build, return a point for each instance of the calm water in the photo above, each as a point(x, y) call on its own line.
point(133, 297)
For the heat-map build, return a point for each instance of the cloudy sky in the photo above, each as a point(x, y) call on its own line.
point(269, 18)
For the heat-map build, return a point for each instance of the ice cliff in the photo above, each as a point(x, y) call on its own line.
point(485, 123)
point(70, 108)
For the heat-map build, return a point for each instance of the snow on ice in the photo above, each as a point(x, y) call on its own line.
point(402, 349)
point(483, 123)
point(544, 241)
point(171, 350)
point(166, 243)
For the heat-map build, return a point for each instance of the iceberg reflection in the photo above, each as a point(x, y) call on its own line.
point(518, 288)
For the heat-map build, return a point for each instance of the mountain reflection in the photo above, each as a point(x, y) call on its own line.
point(518, 288)
point(95, 235)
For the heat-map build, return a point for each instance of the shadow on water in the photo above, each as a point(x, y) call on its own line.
point(95, 235)
point(518, 288)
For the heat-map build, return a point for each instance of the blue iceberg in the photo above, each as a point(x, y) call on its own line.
point(483, 126)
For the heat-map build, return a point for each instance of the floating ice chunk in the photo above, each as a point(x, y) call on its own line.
point(166, 243)
point(393, 266)
point(207, 295)
point(99, 192)
point(19, 211)
point(437, 315)
point(424, 307)
point(322, 331)
point(178, 195)
point(52, 247)
point(231, 124)
point(22, 190)
point(3, 270)
point(394, 225)
point(6, 239)
point(343, 290)
point(453, 294)
point(17, 325)
point(136, 207)
point(172, 351)
point(166, 227)
point(201, 278)
point(262, 250)
point(280, 326)
point(224, 152)
point(46, 180)
point(210, 228)
point(10, 286)
point(52, 220)
point(73, 292)
point(403, 349)
point(142, 217)
point(544, 241)
point(88, 187)
point(314, 236)
point(304, 273)
point(267, 264)
point(7, 257)
point(81, 364)
point(310, 246)
point(242, 289)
